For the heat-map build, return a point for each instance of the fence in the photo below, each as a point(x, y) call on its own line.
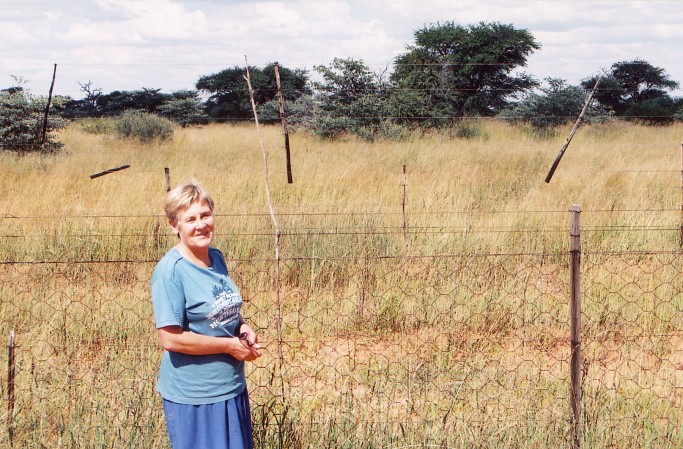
point(370, 348)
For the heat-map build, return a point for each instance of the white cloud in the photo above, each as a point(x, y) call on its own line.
point(168, 44)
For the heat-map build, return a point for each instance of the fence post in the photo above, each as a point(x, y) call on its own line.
point(575, 325)
point(681, 242)
point(10, 387)
point(283, 118)
point(405, 221)
point(167, 173)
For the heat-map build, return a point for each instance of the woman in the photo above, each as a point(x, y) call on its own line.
point(205, 339)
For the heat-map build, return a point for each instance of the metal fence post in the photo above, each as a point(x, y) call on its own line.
point(575, 325)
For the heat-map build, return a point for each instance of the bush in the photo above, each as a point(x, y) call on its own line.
point(555, 106)
point(143, 126)
point(464, 130)
point(21, 123)
point(97, 126)
point(184, 111)
point(655, 111)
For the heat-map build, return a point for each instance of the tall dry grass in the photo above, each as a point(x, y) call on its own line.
point(476, 186)
point(448, 332)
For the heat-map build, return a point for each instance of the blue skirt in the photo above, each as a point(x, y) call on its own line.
point(223, 425)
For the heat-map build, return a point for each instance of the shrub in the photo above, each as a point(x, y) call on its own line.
point(134, 124)
point(184, 111)
point(464, 130)
point(21, 123)
point(97, 126)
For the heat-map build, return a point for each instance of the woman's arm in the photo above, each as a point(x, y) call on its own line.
point(174, 339)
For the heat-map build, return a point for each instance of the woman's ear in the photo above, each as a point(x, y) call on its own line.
point(174, 227)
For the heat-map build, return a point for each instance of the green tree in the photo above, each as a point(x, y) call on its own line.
point(555, 105)
point(455, 71)
point(184, 108)
point(636, 89)
point(229, 93)
point(351, 99)
point(117, 102)
point(22, 119)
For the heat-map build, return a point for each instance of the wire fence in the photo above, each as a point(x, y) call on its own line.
point(370, 347)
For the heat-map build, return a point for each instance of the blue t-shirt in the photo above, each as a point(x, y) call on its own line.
point(205, 301)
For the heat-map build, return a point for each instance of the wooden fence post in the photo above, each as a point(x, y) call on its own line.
point(575, 324)
point(167, 173)
point(681, 241)
point(283, 117)
point(10, 387)
point(405, 221)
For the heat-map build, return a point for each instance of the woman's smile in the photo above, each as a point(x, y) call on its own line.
point(195, 228)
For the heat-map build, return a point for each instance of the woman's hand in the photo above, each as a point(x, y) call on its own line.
point(249, 339)
point(173, 338)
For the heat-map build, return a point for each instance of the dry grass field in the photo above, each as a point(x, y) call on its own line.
point(421, 310)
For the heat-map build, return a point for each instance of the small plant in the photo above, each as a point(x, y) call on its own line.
point(468, 131)
point(97, 126)
point(143, 126)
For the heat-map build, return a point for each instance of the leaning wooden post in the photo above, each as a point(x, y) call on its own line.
point(10, 387)
point(681, 242)
point(283, 117)
point(575, 325)
point(549, 176)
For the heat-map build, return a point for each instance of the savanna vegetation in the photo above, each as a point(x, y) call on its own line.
point(451, 72)
point(445, 326)
point(422, 286)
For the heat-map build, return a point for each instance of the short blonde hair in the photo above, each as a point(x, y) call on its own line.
point(183, 196)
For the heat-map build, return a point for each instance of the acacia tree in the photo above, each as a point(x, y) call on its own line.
point(636, 89)
point(454, 71)
point(229, 93)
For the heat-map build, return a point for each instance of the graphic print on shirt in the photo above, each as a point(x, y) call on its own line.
point(226, 306)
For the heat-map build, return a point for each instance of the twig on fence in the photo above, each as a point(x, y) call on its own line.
point(47, 108)
point(275, 224)
point(106, 172)
point(571, 134)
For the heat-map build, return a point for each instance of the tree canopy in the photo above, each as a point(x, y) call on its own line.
point(636, 89)
point(455, 70)
point(229, 94)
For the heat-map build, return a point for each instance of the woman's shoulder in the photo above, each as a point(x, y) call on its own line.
point(216, 254)
point(168, 262)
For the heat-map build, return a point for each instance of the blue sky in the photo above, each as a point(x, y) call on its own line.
point(169, 44)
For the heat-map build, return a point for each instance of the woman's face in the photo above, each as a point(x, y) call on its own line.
point(195, 227)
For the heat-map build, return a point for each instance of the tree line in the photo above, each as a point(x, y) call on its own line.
point(450, 73)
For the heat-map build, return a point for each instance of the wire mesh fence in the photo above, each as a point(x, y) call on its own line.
point(364, 347)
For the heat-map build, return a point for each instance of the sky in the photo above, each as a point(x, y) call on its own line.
point(169, 44)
